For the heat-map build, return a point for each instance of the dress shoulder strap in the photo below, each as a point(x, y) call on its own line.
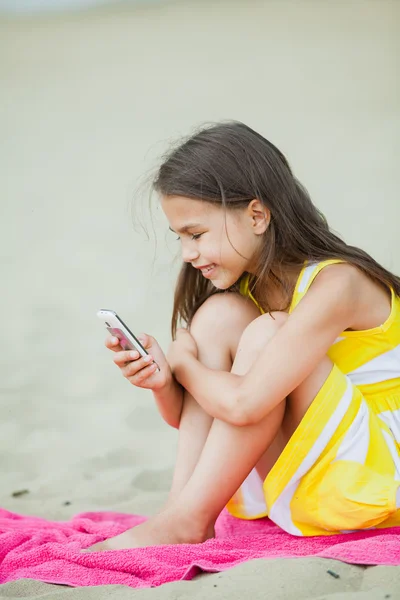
point(307, 276)
point(245, 291)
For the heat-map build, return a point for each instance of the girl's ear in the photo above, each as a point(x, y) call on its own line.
point(260, 216)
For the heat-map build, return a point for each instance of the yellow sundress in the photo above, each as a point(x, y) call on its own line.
point(340, 470)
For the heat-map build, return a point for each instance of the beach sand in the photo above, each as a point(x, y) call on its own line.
point(88, 101)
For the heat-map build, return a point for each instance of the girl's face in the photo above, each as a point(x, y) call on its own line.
point(220, 243)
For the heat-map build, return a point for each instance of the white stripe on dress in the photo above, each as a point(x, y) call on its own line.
point(253, 494)
point(305, 278)
point(280, 511)
point(392, 420)
point(355, 443)
point(382, 367)
point(393, 452)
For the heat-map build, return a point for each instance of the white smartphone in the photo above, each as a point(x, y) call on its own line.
point(117, 327)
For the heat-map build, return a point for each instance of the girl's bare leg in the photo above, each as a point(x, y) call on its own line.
point(217, 328)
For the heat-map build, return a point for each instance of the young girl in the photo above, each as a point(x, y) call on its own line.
point(286, 391)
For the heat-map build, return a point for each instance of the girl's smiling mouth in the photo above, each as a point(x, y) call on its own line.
point(206, 270)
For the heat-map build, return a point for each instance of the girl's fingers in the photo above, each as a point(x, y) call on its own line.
point(130, 369)
point(112, 343)
point(144, 339)
point(125, 356)
point(140, 377)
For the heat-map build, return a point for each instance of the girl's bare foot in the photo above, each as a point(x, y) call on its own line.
point(167, 527)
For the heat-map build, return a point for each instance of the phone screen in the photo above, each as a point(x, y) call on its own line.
point(119, 329)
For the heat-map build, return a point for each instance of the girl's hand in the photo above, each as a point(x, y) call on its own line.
point(142, 372)
point(183, 345)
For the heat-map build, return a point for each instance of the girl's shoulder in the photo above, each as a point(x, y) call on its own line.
point(374, 304)
point(333, 272)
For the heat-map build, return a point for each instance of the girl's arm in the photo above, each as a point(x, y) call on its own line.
point(328, 308)
point(167, 392)
point(169, 400)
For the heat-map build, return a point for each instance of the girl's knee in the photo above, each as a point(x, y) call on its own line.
point(221, 312)
point(262, 329)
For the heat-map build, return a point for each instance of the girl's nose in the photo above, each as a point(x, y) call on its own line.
point(189, 253)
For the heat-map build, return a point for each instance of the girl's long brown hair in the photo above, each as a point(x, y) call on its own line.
point(231, 164)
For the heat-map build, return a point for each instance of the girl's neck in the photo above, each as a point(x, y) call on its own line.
point(279, 295)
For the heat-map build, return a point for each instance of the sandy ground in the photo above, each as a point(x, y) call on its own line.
point(87, 103)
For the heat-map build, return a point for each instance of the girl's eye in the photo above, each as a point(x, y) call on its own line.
point(194, 236)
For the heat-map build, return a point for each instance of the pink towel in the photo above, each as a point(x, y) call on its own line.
point(50, 551)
